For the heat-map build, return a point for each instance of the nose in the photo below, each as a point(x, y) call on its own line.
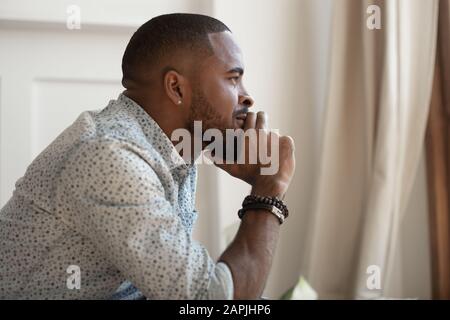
point(246, 100)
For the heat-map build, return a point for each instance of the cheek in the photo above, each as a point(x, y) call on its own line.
point(225, 98)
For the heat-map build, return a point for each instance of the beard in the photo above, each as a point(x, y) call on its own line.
point(202, 110)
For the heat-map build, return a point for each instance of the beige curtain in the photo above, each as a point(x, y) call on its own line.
point(378, 97)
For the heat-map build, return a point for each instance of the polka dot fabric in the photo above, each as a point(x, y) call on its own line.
point(112, 196)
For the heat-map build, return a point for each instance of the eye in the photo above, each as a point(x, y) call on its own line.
point(234, 80)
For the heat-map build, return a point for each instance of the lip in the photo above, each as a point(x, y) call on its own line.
point(241, 114)
point(241, 117)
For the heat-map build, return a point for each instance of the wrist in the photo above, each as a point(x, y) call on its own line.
point(255, 216)
point(269, 189)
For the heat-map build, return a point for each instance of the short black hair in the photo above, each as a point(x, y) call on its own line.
point(165, 34)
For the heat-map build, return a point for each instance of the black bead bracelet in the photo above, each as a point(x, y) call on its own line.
point(272, 204)
point(274, 201)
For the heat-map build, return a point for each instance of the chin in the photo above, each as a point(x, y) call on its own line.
point(238, 124)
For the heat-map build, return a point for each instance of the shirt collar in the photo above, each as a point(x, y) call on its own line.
point(153, 132)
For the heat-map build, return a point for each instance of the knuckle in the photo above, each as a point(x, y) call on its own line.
point(288, 143)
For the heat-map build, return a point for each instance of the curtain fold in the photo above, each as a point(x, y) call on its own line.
point(377, 107)
point(438, 145)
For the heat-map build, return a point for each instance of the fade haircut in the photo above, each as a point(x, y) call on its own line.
point(164, 35)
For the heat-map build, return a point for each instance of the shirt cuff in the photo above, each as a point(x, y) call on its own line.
point(221, 283)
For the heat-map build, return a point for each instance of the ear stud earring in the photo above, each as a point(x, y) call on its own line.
point(179, 101)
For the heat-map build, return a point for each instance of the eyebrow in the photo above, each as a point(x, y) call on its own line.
point(236, 70)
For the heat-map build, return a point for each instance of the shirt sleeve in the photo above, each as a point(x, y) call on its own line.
point(221, 285)
point(113, 196)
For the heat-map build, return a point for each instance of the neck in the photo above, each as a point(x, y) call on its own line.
point(165, 115)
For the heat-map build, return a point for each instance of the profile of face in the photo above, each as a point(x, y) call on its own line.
point(219, 98)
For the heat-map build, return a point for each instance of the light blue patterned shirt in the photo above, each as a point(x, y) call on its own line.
point(112, 198)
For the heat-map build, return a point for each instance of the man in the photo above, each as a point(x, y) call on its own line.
point(107, 210)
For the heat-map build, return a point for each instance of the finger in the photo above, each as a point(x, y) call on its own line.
point(261, 120)
point(250, 121)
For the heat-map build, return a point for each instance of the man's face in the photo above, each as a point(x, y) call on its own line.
point(219, 99)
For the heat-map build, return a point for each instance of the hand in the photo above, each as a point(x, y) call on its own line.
point(281, 159)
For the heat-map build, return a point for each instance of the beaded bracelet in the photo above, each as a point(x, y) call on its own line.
point(271, 204)
point(274, 201)
point(258, 206)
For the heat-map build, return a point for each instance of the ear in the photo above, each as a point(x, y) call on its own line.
point(176, 87)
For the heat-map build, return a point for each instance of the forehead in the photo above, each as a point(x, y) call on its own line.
point(227, 53)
